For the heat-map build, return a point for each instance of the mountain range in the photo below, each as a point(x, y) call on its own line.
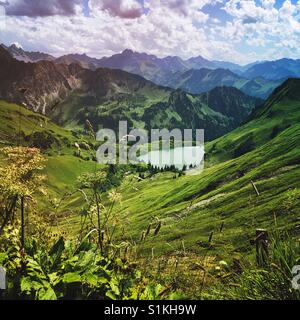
point(18, 53)
point(170, 70)
point(275, 70)
point(257, 79)
point(71, 94)
point(202, 80)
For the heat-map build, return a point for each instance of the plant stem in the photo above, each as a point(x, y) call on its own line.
point(99, 222)
point(22, 222)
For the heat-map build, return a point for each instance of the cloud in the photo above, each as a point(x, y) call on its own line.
point(187, 8)
point(103, 34)
point(255, 30)
point(33, 8)
point(183, 7)
point(127, 9)
point(263, 25)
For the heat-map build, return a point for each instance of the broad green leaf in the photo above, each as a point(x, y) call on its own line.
point(54, 278)
point(3, 257)
point(58, 247)
point(114, 287)
point(87, 259)
point(111, 295)
point(71, 277)
point(28, 285)
point(102, 280)
point(91, 279)
point(47, 294)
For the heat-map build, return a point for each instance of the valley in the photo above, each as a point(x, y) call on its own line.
point(70, 95)
point(163, 221)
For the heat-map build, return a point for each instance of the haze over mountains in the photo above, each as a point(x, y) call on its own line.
point(71, 94)
point(26, 56)
point(195, 75)
point(201, 80)
point(143, 89)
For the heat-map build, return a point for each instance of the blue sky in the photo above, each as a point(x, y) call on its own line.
point(241, 31)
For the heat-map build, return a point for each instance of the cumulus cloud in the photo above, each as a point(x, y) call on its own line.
point(159, 31)
point(128, 9)
point(164, 27)
point(184, 7)
point(33, 8)
point(187, 8)
point(264, 24)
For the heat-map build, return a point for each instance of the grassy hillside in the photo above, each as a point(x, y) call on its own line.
point(193, 222)
point(19, 126)
point(265, 150)
point(145, 105)
point(191, 207)
point(280, 111)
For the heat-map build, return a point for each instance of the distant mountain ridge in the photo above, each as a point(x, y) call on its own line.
point(38, 85)
point(142, 63)
point(70, 95)
point(173, 71)
point(202, 80)
point(27, 56)
point(258, 79)
point(275, 70)
point(133, 62)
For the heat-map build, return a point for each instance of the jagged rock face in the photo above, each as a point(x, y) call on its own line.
point(19, 54)
point(39, 85)
point(42, 85)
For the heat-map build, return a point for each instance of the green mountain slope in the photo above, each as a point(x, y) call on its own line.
point(19, 126)
point(145, 105)
point(279, 112)
point(217, 111)
point(191, 207)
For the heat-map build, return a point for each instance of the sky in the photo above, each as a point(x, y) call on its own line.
point(241, 31)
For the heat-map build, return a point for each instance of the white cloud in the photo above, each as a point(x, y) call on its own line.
point(161, 27)
point(104, 34)
point(270, 27)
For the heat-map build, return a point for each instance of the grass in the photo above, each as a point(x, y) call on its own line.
point(192, 207)
point(17, 122)
point(17, 125)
